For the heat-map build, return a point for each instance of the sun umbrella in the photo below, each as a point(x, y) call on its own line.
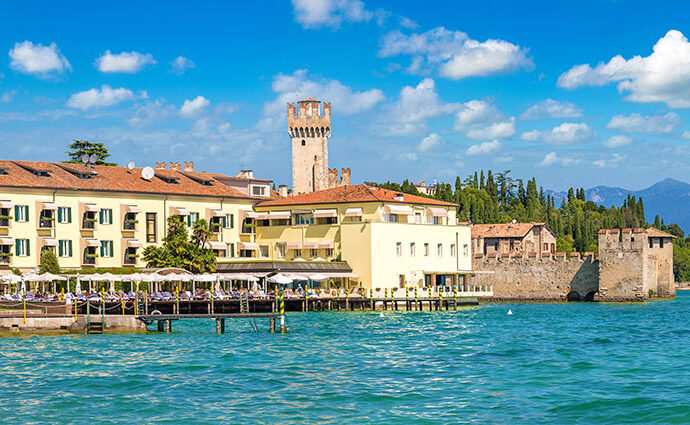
point(280, 279)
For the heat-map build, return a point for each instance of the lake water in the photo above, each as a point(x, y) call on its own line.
point(546, 363)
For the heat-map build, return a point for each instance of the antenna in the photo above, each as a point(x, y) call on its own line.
point(130, 165)
point(147, 173)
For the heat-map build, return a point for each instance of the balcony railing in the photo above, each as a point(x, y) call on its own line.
point(88, 223)
point(89, 259)
point(45, 223)
point(129, 225)
point(4, 222)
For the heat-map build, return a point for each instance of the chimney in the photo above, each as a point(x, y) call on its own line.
point(188, 166)
point(422, 183)
point(282, 191)
point(175, 166)
point(161, 166)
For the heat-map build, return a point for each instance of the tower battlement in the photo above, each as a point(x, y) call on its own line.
point(307, 120)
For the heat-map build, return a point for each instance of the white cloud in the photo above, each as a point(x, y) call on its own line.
point(564, 134)
point(483, 148)
point(550, 108)
point(125, 62)
point(408, 115)
point(607, 163)
point(8, 96)
point(181, 64)
point(686, 134)
point(38, 59)
point(191, 108)
point(455, 54)
point(636, 123)
point(553, 159)
point(151, 112)
point(663, 76)
point(329, 13)
point(290, 88)
point(617, 141)
point(408, 23)
point(429, 142)
point(96, 98)
point(480, 120)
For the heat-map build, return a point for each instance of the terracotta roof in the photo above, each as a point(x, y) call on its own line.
point(353, 194)
point(502, 230)
point(656, 233)
point(65, 176)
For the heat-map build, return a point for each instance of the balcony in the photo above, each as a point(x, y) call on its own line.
point(89, 259)
point(5, 258)
point(129, 225)
point(88, 224)
point(4, 221)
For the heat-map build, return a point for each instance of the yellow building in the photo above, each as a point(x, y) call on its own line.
point(103, 216)
point(390, 239)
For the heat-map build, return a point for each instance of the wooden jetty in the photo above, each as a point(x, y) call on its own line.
point(164, 321)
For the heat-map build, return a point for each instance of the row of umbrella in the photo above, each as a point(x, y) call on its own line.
point(134, 277)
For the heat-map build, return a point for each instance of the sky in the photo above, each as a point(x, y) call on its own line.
point(583, 93)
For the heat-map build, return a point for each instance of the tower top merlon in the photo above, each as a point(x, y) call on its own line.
point(307, 113)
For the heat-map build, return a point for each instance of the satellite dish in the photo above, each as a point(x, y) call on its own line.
point(130, 165)
point(85, 158)
point(93, 158)
point(147, 173)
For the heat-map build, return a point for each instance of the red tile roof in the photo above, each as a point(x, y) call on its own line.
point(113, 179)
point(656, 233)
point(503, 230)
point(353, 194)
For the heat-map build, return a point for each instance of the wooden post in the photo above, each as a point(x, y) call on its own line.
point(218, 326)
point(168, 326)
point(161, 325)
point(222, 326)
point(272, 325)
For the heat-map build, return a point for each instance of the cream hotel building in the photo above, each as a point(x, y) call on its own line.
point(104, 216)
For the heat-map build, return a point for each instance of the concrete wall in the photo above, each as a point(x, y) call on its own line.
point(533, 278)
point(67, 324)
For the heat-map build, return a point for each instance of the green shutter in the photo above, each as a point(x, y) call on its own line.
point(69, 217)
point(225, 221)
point(59, 217)
point(110, 216)
point(26, 215)
point(69, 245)
point(102, 246)
point(111, 248)
point(232, 221)
point(16, 212)
point(60, 243)
point(28, 250)
point(17, 244)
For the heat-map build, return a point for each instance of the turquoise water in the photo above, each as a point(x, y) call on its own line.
point(547, 363)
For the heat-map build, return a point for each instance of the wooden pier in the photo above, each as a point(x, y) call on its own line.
point(164, 321)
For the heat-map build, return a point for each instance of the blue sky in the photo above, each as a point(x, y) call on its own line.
point(575, 93)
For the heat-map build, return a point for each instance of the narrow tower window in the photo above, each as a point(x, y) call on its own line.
point(304, 143)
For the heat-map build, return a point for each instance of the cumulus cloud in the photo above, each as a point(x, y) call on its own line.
point(38, 59)
point(550, 108)
point(329, 13)
point(181, 64)
point(7, 96)
point(125, 62)
point(454, 54)
point(95, 98)
point(617, 141)
point(552, 158)
point(483, 148)
point(564, 134)
point(290, 88)
point(150, 113)
point(686, 134)
point(415, 105)
point(192, 108)
point(611, 162)
point(636, 123)
point(663, 76)
point(480, 120)
point(429, 142)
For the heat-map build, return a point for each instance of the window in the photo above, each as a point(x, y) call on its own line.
point(4, 217)
point(130, 221)
point(298, 253)
point(304, 143)
point(216, 224)
point(327, 220)
point(130, 256)
point(192, 218)
point(21, 213)
point(232, 249)
point(390, 218)
point(5, 254)
point(280, 250)
point(401, 281)
point(314, 253)
point(437, 220)
point(398, 249)
point(89, 220)
point(64, 248)
point(151, 227)
point(64, 215)
point(46, 219)
point(661, 242)
point(221, 253)
point(417, 218)
point(464, 250)
point(300, 219)
point(106, 249)
point(329, 252)
point(229, 222)
point(105, 216)
point(426, 249)
point(246, 225)
point(651, 242)
point(413, 249)
point(259, 190)
point(22, 248)
point(263, 250)
point(439, 248)
point(452, 250)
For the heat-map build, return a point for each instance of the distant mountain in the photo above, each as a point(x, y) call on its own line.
point(669, 198)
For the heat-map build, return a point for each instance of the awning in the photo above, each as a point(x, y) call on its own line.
point(132, 209)
point(261, 216)
point(250, 214)
point(180, 211)
point(294, 245)
point(216, 245)
point(353, 212)
point(6, 204)
point(251, 246)
point(217, 213)
point(437, 212)
point(133, 243)
point(326, 244)
point(92, 243)
point(311, 244)
point(325, 213)
point(279, 215)
point(91, 208)
point(6, 241)
point(399, 209)
point(50, 242)
point(49, 206)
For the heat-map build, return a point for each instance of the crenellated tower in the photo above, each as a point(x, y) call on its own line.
point(309, 128)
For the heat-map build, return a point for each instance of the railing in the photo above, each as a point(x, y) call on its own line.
point(45, 223)
point(4, 259)
point(4, 222)
point(129, 225)
point(89, 224)
point(88, 260)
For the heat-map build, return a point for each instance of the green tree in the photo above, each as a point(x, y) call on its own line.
point(49, 262)
point(78, 148)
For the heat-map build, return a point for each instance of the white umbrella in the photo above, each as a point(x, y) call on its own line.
point(10, 278)
point(206, 277)
point(49, 277)
point(280, 279)
point(318, 277)
point(319, 259)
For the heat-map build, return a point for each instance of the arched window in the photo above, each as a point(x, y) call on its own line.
point(318, 133)
point(304, 143)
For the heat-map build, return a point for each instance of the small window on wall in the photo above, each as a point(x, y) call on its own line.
point(413, 249)
point(452, 250)
point(64, 215)
point(21, 213)
point(426, 249)
point(105, 216)
point(661, 242)
point(398, 249)
point(439, 248)
point(464, 250)
point(304, 143)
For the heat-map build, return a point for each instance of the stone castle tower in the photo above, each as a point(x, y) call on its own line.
point(310, 128)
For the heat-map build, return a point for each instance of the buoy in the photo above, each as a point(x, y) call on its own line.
point(382, 315)
point(510, 313)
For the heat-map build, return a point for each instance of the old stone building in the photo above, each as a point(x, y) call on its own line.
point(310, 128)
point(513, 238)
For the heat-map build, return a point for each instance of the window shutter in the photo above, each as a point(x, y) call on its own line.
point(110, 244)
point(26, 218)
point(17, 246)
point(102, 247)
point(69, 244)
point(69, 216)
point(110, 216)
point(232, 221)
point(60, 247)
point(16, 212)
point(60, 212)
point(225, 221)
point(28, 251)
